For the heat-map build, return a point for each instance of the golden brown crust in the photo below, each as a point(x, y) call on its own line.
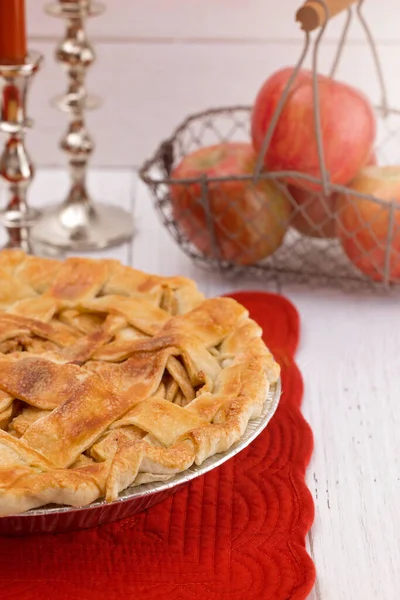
point(110, 377)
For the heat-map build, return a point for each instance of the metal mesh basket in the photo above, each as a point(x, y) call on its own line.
point(258, 241)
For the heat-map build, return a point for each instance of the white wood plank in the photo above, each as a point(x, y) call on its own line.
point(149, 90)
point(315, 592)
point(349, 359)
point(211, 20)
point(50, 187)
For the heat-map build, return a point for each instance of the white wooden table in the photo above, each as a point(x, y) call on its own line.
point(350, 360)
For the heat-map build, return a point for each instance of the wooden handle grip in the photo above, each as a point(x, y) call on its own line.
point(312, 14)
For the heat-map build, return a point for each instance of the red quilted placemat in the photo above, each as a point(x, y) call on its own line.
point(237, 533)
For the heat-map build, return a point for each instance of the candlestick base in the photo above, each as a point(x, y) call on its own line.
point(83, 227)
point(79, 224)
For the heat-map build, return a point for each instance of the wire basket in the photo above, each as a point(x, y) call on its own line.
point(295, 245)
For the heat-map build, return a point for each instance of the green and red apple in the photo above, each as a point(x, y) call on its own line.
point(241, 221)
point(348, 128)
point(369, 230)
point(316, 213)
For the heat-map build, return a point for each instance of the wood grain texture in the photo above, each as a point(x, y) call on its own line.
point(349, 359)
point(207, 20)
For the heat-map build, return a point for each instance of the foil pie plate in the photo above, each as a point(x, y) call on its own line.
point(57, 519)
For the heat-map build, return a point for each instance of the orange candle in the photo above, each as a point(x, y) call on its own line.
point(12, 31)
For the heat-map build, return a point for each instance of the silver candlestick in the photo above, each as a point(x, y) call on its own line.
point(16, 167)
point(79, 224)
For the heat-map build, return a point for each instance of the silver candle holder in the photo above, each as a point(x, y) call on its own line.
point(79, 224)
point(16, 166)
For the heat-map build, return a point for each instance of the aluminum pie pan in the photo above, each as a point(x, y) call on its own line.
point(58, 519)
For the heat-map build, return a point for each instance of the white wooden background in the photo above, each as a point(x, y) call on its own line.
point(159, 60)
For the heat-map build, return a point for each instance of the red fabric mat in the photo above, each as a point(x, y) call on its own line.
point(236, 533)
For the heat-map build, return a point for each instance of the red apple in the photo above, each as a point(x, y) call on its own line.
point(366, 227)
point(316, 214)
point(249, 220)
point(348, 127)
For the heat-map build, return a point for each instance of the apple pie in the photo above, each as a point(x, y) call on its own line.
point(110, 378)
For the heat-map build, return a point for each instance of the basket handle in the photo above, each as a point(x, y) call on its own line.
point(315, 13)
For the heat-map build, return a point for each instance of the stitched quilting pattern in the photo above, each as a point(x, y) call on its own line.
point(237, 533)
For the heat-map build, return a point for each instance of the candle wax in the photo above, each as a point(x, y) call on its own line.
point(12, 31)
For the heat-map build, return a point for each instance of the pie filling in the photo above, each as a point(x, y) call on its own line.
point(110, 378)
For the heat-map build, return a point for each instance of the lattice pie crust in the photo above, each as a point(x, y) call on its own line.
point(110, 378)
